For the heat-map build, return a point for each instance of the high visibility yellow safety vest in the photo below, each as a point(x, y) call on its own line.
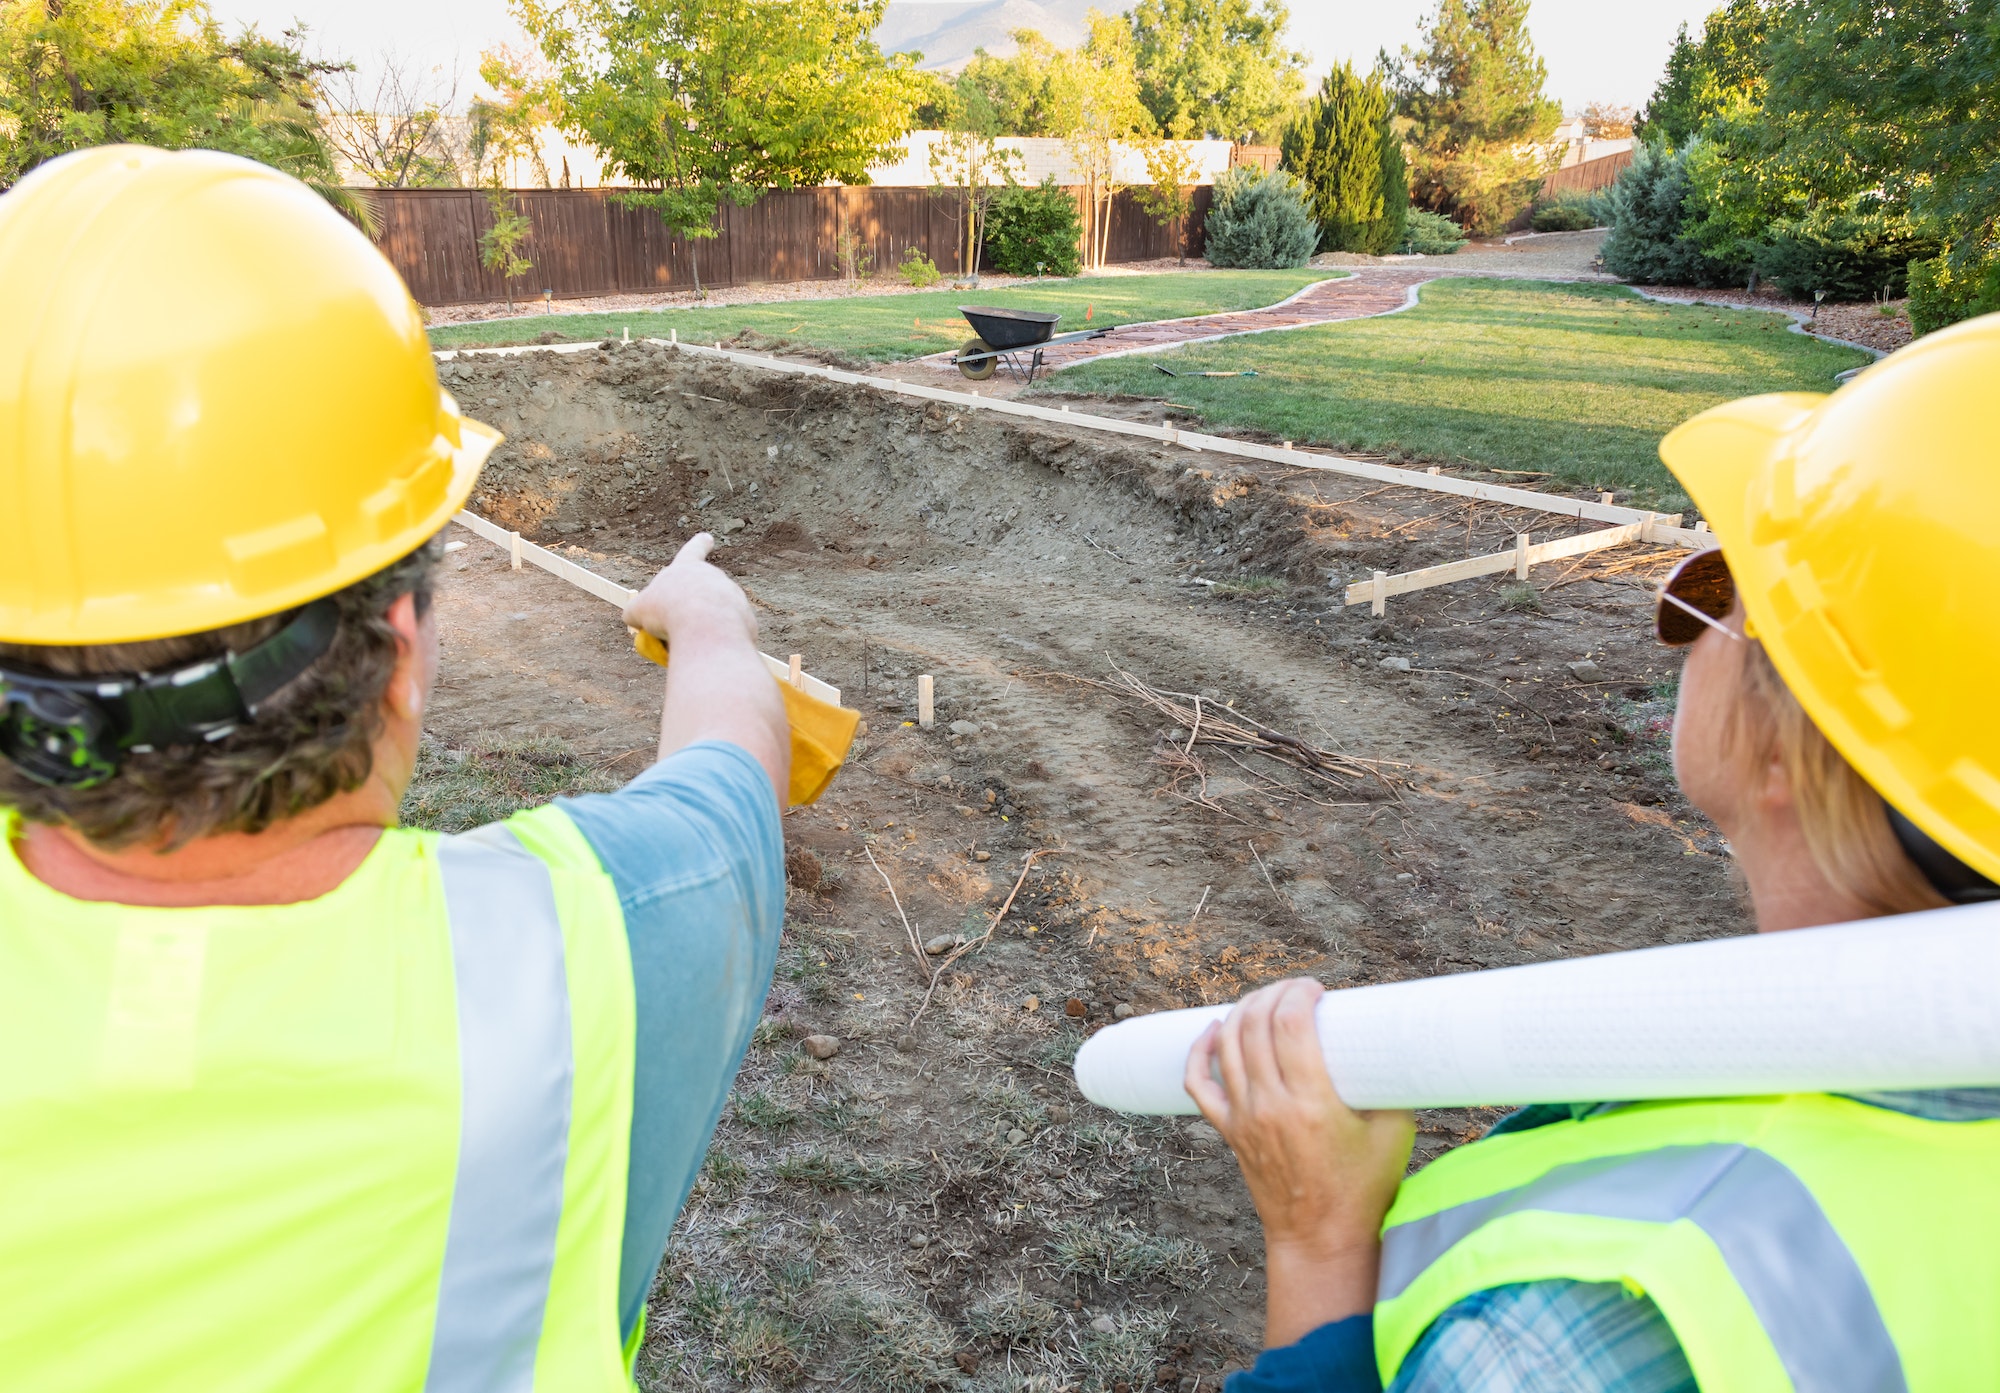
point(376, 1141)
point(1804, 1243)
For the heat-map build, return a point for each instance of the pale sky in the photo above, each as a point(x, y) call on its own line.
point(1594, 50)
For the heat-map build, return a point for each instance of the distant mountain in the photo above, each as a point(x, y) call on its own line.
point(947, 31)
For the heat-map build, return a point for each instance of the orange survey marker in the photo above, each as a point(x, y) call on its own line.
point(822, 733)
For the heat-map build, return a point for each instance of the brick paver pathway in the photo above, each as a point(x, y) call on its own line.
point(1372, 291)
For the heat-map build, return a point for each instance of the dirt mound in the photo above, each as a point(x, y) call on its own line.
point(933, 1205)
point(639, 443)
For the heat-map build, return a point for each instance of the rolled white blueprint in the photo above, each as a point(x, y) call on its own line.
point(1909, 1001)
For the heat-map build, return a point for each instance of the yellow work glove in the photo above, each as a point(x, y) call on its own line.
point(822, 733)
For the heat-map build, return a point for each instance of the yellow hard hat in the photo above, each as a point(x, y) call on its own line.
point(1860, 529)
point(216, 400)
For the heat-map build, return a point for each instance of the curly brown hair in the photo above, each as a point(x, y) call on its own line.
point(312, 739)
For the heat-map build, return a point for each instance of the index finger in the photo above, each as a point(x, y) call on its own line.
point(696, 548)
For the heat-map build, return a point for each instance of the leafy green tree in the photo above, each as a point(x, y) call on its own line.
point(1472, 113)
point(77, 73)
point(500, 244)
point(505, 125)
point(1216, 68)
point(1903, 98)
point(1707, 76)
point(969, 165)
point(702, 100)
point(1168, 195)
point(1088, 97)
point(1335, 147)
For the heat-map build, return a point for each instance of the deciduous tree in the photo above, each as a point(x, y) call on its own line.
point(1470, 105)
point(1705, 77)
point(702, 100)
point(1168, 197)
point(969, 165)
point(1216, 68)
point(508, 124)
point(395, 133)
point(76, 73)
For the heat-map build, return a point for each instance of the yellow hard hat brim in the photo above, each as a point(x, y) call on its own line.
point(1718, 455)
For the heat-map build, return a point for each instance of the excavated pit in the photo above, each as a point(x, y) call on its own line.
point(1525, 811)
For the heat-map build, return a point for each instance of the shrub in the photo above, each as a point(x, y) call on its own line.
point(1571, 211)
point(1260, 220)
point(1034, 231)
point(1430, 234)
point(1649, 240)
point(1944, 290)
point(918, 269)
point(1851, 252)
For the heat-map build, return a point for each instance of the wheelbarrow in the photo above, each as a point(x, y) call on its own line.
point(1013, 337)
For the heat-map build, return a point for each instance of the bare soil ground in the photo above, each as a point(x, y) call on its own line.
point(935, 1206)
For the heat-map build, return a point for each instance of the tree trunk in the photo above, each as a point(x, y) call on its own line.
point(694, 265)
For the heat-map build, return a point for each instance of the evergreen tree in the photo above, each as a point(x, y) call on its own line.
point(1388, 233)
point(1470, 98)
point(1336, 148)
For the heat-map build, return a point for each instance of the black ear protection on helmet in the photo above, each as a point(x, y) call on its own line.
point(1948, 875)
point(74, 732)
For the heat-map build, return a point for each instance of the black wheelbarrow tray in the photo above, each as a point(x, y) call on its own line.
point(1005, 335)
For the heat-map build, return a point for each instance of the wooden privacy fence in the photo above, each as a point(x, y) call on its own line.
point(584, 242)
point(1589, 176)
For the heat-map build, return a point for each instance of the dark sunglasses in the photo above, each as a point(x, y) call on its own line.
point(1697, 594)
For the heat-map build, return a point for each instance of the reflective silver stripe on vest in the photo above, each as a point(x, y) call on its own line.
point(1804, 1285)
point(516, 1068)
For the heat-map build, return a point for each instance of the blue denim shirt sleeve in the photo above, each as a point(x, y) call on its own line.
point(696, 850)
point(1339, 1357)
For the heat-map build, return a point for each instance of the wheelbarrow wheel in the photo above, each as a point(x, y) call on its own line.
point(982, 369)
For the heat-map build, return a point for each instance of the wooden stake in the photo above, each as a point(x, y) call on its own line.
point(926, 702)
point(798, 678)
point(674, 337)
point(514, 550)
point(1286, 446)
point(1606, 497)
point(1520, 556)
point(1378, 600)
point(1435, 470)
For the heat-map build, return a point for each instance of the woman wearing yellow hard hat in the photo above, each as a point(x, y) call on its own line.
point(1837, 722)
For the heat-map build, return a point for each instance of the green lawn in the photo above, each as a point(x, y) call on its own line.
point(1576, 382)
point(880, 328)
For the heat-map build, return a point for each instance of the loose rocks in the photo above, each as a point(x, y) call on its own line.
point(821, 1046)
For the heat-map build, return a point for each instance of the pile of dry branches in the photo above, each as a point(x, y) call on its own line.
point(1200, 723)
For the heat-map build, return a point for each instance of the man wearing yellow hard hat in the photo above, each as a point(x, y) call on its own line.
point(293, 1098)
point(1837, 720)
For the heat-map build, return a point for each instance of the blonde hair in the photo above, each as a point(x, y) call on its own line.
point(1844, 821)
